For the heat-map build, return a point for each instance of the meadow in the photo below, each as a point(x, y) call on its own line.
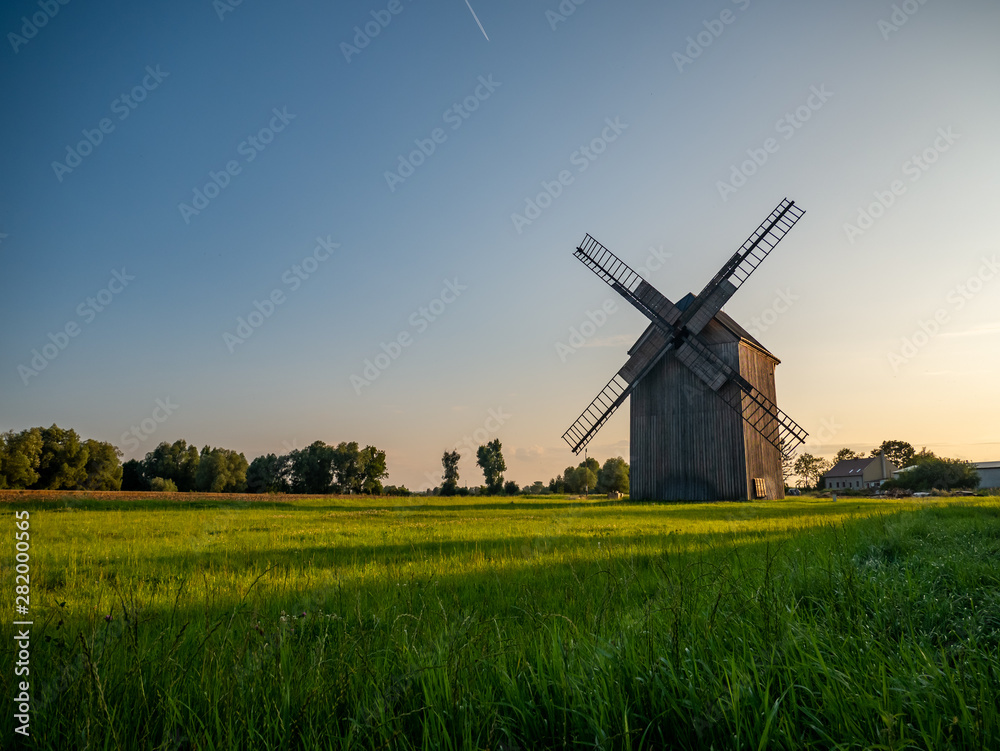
point(211, 622)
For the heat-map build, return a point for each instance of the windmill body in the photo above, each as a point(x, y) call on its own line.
point(686, 443)
point(705, 424)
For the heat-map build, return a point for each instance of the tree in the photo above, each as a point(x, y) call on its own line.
point(511, 488)
point(104, 468)
point(811, 468)
point(373, 470)
point(133, 477)
point(312, 468)
point(937, 473)
point(579, 479)
point(613, 476)
point(63, 461)
point(348, 469)
point(160, 485)
point(450, 463)
point(899, 453)
point(490, 458)
point(221, 471)
point(844, 454)
point(174, 461)
point(20, 454)
point(788, 459)
point(269, 474)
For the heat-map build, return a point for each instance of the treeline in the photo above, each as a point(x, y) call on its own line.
point(317, 469)
point(591, 476)
point(56, 459)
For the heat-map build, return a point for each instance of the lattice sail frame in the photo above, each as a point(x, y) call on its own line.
point(679, 332)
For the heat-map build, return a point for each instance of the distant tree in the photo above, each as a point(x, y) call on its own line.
point(845, 454)
point(811, 468)
point(221, 471)
point(312, 468)
point(536, 488)
point(511, 488)
point(490, 459)
point(613, 476)
point(788, 457)
point(393, 491)
point(899, 453)
point(63, 461)
point(937, 473)
point(161, 485)
point(348, 468)
point(104, 467)
point(374, 470)
point(174, 461)
point(592, 464)
point(450, 463)
point(133, 477)
point(557, 484)
point(580, 479)
point(269, 474)
point(20, 454)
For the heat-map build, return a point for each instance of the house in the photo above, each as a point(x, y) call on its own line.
point(859, 474)
point(989, 474)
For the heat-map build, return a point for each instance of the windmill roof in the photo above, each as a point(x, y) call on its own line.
point(723, 319)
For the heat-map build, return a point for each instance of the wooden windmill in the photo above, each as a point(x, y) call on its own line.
point(704, 423)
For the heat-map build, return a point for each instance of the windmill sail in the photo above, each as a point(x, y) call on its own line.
point(741, 265)
point(678, 331)
point(612, 396)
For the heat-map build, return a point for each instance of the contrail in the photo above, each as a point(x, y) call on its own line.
point(477, 21)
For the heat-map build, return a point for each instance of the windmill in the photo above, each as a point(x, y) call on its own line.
point(704, 423)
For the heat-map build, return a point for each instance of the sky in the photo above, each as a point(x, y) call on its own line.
point(257, 225)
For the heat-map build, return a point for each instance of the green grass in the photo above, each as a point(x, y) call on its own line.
point(546, 623)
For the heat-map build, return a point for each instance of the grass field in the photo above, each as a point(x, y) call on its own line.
point(196, 622)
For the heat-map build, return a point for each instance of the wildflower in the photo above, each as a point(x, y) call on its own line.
point(108, 618)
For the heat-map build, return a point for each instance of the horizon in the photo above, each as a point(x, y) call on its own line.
point(327, 223)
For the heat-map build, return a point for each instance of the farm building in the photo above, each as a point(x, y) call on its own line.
point(989, 474)
point(685, 442)
point(858, 474)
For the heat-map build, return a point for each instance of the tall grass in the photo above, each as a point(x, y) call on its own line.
point(472, 623)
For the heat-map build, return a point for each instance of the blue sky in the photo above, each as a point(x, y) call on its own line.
point(887, 323)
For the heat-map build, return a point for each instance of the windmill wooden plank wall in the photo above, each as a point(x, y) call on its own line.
point(686, 444)
point(705, 422)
